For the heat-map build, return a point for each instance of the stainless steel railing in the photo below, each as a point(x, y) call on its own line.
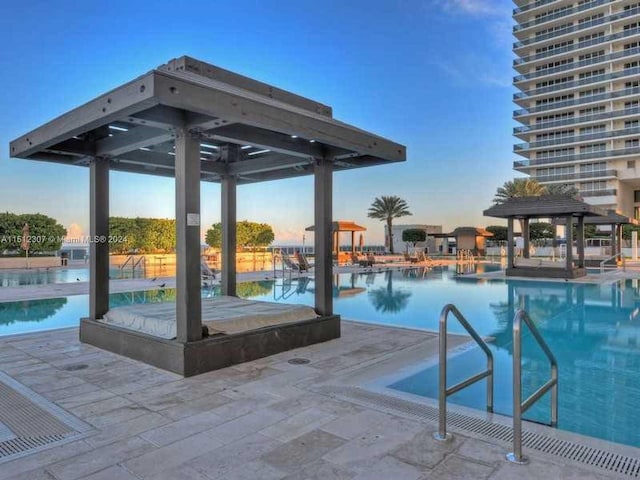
point(519, 407)
point(613, 257)
point(443, 391)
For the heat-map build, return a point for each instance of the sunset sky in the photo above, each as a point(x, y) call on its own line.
point(434, 75)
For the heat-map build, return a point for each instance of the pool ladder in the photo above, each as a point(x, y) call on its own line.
point(519, 406)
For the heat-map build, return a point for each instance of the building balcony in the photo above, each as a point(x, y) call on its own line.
point(577, 101)
point(565, 13)
point(599, 193)
point(571, 177)
point(575, 65)
point(518, 62)
point(531, 6)
point(524, 147)
point(577, 120)
point(577, 83)
point(577, 157)
point(577, 28)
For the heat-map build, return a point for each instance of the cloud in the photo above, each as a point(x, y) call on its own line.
point(473, 7)
point(75, 232)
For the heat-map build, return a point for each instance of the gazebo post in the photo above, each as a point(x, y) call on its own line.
point(614, 235)
point(569, 237)
point(99, 233)
point(510, 253)
point(525, 237)
point(580, 241)
point(353, 242)
point(323, 215)
point(188, 275)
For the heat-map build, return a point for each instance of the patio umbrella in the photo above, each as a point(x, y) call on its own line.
point(26, 241)
point(361, 242)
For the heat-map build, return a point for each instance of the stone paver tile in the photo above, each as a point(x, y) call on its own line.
point(240, 427)
point(170, 456)
point(304, 449)
point(424, 450)
point(181, 472)
point(194, 407)
point(323, 470)
point(183, 428)
point(390, 467)
point(367, 421)
point(39, 474)
point(43, 458)
point(455, 467)
point(65, 393)
point(78, 400)
point(254, 470)
point(121, 431)
point(118, 415)
point(99, 407)
point(223, 460)
point(482, 451)
point(99, 459)
point(112, 473)
point(298, 424)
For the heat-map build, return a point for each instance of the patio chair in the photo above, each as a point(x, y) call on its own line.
point(362, 261)
point(289, 263)
point(303, 263)
point(410, 259)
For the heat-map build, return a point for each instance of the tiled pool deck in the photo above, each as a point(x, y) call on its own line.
point(260, 420)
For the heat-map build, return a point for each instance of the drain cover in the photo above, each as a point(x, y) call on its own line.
point(73, 368)
point(299, 361)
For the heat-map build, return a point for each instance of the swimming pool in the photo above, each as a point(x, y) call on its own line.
point(594, 331)
point(44, 276)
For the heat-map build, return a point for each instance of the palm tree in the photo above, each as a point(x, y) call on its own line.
point(562, 189)
point(519, 187)
point(386, 209)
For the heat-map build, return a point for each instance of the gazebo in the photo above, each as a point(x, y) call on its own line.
point(196, 122)
point(337, 228)
point(545, 206)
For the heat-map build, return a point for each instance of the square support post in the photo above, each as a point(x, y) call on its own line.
point(188, 274)
point(614, 236)
point(569, 237)
point(323, 217)
point(525, 237)
point(510, 251)
point(580, 241)
point(229, 242)
point(99, 232)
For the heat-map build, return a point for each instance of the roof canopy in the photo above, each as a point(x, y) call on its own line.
point(477, 231)
point(610, 218)
point(281, 133)
point(341, 226)
point(543, 206)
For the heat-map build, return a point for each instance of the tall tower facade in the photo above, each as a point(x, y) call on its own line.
point(578, 64)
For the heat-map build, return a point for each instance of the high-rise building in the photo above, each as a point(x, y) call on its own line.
point(579, 97)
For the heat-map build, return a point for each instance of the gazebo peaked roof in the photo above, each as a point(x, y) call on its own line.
point(475, 230)
point(134, 127)
point(543, 206)
point(341, 226)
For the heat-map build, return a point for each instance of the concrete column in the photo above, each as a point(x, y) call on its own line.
point(614, 236)
point(323, 215)
point(229, 245)
point(353, 243)
point(188, 274)
point(510, 251)
point(99, 232)
point(525, 237)
point(580, 241)
point(634, 245)
point(569, 236)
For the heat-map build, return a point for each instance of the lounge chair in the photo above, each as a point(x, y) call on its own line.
point(367, 261)
point(410, 259)
point(303, 263)
point(290, 264)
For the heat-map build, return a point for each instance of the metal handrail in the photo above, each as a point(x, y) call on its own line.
point(443, 391)
point(129, 259)
point(519, 407)
point(613, 257)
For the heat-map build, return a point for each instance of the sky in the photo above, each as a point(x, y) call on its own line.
point(434, 75)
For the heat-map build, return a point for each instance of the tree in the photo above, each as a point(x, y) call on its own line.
point(386, 208)
point(627, 229)
point(518, 187)
point(248, 235)
point(499, 232)
point(540, 230)
point(413, 236)
point(45, 232)
point(565, 189)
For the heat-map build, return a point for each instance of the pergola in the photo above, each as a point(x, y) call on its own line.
point(342, 226)
point(196, 122)
point(545, 206)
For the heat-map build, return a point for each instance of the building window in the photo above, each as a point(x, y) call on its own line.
point(631, 164)
point(636, 197)
point(636, 213)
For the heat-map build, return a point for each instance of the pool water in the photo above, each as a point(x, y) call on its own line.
point(594, 331)
point(45, 276)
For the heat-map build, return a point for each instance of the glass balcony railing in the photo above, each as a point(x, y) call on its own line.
point(599, 193)
point(576, 157)
point(576, 46)
point(563, 13)
point(573, 65)
point(577, 176)
point(577, 27)
point(577, 83)
point(575, 120)
point(577, 101)
point(531, 5)
point(577, 138)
